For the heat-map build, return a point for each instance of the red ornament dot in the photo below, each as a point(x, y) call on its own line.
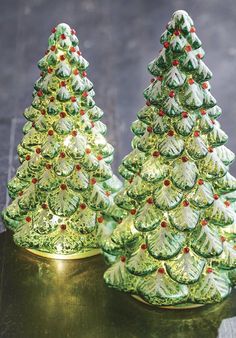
point(63, 186)
point(50, 70)
point(34, 180)
point(84, 74)
point(196, 133)
point(204, 222)
point(161, 113)
point(74, 133)
point(27, 157)
point(188, 48)
point(192, 29)
point(156, 153)
point(152, 80)
point(62, 155)
point(99, 157)
point(87, 151)
point(62, 114)
point(200, 181)
point(166, 44)
point(82, 206)
point(44, 206)
point(78, 167)
point(123, 258)
point(150, 200)
point(54, 30)
point(73, 31)
point(223, 239)
point(62, 57)
point(163, 224)
point(28, 219)
point(148, 103)
point(216, 197)
point(63, 84)
point(184, 114)
point(209, 270)
point(52, 99)
point(93, 181)
point(227, 203)
point(48, 166)
point(72, 49)
point(200, 56)
point(166, 183)
point(53, 48)
point(79, 52)
point(73, 99)
point(210, 150)
point(161, 271)
point(50, 132)
point(149, 129)
point(85, 94)
point(82, 112)
point(171, 93)
point(170, 133)
point(92, 124)
point(40, 93)
point(191, 81)
point(144, 246)
point(159, 78)
point(100, 219)
point(63, 227)
point(177, 32)
point(43, 112)
point(63, 37)
point(107, 193)
point(185, 203)
point(205, 85)
point(38, 150)
point(184, 159)
point(133, 211)
point(175, 62)
point(203, 112)
point(186, 250)
point(76, 72)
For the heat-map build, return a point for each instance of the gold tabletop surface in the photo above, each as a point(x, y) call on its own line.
point(42, 297)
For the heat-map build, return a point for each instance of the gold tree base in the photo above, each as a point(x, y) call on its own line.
point(171, 307)
point(89, 253)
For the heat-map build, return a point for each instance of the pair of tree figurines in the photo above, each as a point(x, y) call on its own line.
point(169, 231)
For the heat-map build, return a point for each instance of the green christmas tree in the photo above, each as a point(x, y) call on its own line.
point(64, 188)
point(175, 247)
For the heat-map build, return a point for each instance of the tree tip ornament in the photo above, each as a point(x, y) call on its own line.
point(55, 211)
point(178, 183)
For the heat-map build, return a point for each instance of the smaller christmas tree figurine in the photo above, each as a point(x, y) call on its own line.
point(176, 245)
point(63, 191)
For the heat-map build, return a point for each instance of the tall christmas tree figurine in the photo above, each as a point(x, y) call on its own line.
point(64, 187)
point(175, 247)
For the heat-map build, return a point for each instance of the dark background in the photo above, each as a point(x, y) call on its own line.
point(118, 38)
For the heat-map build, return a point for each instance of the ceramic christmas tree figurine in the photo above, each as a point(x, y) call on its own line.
point(175, 246)
point(65, 184)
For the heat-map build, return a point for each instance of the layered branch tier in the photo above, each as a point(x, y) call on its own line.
point(177, 243)
point(64, 188)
